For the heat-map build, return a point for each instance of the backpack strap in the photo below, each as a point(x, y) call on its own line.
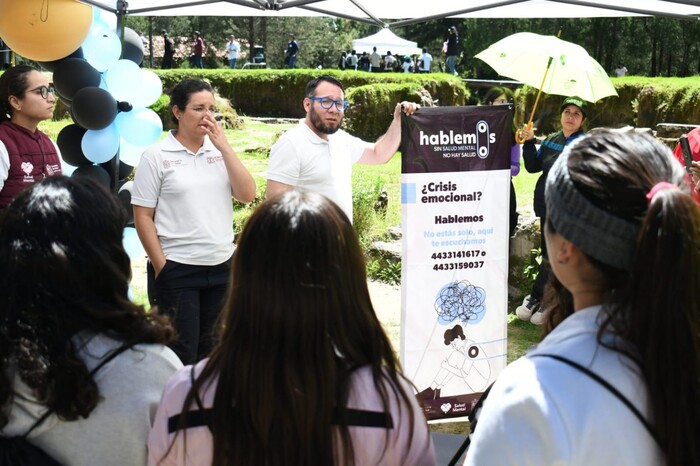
point(92, 373)
point(347, 416)
point(609, 387)
point(341, 416)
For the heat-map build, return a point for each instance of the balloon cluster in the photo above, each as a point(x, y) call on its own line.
point(108, 98)
point(97, 78)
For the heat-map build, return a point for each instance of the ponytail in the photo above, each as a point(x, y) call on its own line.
point(666, 327)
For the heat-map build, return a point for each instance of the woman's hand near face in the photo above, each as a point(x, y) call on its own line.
point(215, 132)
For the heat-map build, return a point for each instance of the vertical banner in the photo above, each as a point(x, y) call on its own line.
point(455, 202)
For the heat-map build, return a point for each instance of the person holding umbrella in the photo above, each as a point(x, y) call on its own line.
point(573, 114)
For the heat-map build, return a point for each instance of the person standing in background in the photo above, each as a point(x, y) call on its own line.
point(26, 154)
point(292, 50)
point(167, 51)
point(425, 62)
point(363, 62)
point(353, 60)
point(342, 62)
point(375, 61)
point(389, 61)
point(573, 115)
point(232, 49)
point(452, 50)
point(198, 45)
point(620, 71)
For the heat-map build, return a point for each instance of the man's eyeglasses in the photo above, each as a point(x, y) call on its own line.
point(44, 91)
point(327, 103)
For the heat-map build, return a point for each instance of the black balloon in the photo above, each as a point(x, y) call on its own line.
point(51, 65)
point(68, 141)
point(95, 172)
point(124, 169)
point(125, 198)
point(132, 48)
point(94, 108)
point(72, 75)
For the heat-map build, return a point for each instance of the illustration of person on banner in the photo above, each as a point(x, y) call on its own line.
point(455, 183)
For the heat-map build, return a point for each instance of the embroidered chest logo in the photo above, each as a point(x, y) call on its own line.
point(27, 167)
point(215, 159)
point(171, 163)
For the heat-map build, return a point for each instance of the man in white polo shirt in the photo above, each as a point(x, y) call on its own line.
point(317, 155)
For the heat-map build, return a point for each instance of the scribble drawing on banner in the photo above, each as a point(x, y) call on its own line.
point(460, 300)
point(466, 361)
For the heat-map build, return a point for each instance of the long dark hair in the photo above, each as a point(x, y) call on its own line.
point(297, 323)
point(63, 269)
point(656, 305)
point(13, 82)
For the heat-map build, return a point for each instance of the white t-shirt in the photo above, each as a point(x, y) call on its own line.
point(303, 159)
point(389, 62)
point(233, 48)
point(427, 61)
point(191, 195)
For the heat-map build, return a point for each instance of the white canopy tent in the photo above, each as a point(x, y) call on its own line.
point(386, 41)
point(415, 10)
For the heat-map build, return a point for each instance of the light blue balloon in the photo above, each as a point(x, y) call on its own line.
point(132, 244)
point(141, 127)
point(124, 80)
point(100, 145)
point(150, 91)
point(129, 153)
point(102, 47)
point(104, 18)
point(66, 168)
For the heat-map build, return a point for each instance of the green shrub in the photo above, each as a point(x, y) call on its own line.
point(365, 193)
point(387, 273)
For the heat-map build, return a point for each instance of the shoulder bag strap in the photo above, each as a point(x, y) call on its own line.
point(609, 387)
point(97, 368)
point(473, 418)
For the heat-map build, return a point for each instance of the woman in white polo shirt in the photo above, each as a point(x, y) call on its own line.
point(184, 216)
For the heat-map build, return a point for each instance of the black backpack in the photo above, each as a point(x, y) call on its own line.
point(18, 451)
